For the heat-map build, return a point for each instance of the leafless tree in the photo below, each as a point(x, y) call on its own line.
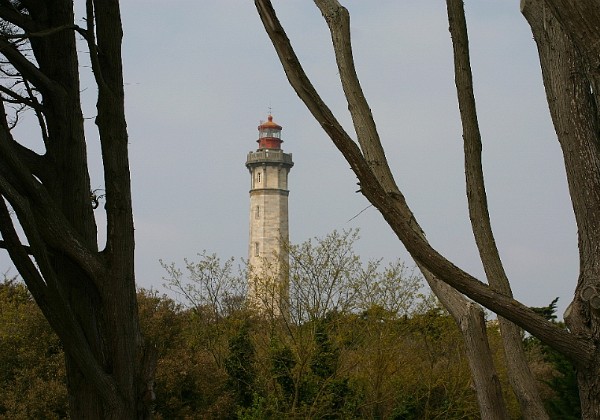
point(568, 38)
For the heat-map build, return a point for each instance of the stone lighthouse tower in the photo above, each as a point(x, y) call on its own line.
point(269, 233)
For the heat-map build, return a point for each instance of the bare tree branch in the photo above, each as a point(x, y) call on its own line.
point(44, 33)
point(38, 113)
point(305, 90)
point(16, 98)
point(56, 230)
point(520, 376)
point(394, 209)
point(10, 14)
point(112, 128)
point(27, 249)
point(467, 316)
point(338, 20)
point(26, 67)
point(19, 253)
point(90, 37)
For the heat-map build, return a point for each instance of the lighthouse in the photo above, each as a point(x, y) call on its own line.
point(268, 272)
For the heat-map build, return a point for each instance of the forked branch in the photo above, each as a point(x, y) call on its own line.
point(25, 67)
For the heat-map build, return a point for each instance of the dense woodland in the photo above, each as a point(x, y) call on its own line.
point(376, 357)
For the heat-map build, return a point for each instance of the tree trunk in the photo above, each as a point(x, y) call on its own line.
point(87, 296)
point(471, 321)
point(474, 328)
point(68, 185)
point(467, 316)
point(570, 81)
point(519, 374)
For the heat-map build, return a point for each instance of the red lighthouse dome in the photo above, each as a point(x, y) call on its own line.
point(269, 135)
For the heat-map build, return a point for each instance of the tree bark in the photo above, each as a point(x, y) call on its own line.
point(468, 317)
point(471, 321)
point(519, 374)
point(570, 79)
point(87, 295)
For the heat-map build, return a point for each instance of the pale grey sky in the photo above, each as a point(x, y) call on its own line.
point(201, 75)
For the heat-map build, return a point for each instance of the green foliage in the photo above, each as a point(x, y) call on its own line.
point(188, 382)
point(326, 275)
point(262, 408)
point(564, 405)
point(239, 366)
point(548, 312)
point(282, 367)
point(32, 372)
point(344, 366)
point(563, 402)
point(359, 340)
point(368, 360)
point(324, 361)
point(211, 286)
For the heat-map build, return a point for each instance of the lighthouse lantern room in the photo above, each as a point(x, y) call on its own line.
point(269, 135)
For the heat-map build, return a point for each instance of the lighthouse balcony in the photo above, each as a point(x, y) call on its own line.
point(267, 156)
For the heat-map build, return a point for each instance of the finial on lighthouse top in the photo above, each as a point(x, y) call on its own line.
point(269, 134)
